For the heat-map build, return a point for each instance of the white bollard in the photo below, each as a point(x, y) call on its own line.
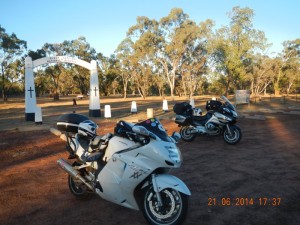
point(165, 105)
point(192, 103)
point(150, 113)
point(38, 115)
point(107, 111)
point(133, 107)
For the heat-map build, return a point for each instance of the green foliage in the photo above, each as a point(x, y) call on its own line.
point(11, 50)
point(165, 48)
point(233, 47)
point(172, 55)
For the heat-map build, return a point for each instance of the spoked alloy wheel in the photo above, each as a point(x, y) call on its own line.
point(186, 134)
point(235, 137)
point(173, 209)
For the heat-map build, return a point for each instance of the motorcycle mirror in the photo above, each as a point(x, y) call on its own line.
point(140, 130)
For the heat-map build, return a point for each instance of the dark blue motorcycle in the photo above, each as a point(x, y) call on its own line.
point(219, 120)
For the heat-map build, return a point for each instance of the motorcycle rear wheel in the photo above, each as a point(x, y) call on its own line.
point(173, 210)
point(235, 137)
point(78, 189)
point(186, 135)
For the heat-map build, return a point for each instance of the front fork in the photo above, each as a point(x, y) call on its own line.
point(155, 188)
point(228, 129)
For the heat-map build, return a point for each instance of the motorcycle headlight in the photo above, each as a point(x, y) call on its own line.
point(174, 154)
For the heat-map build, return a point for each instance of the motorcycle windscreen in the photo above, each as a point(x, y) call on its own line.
point(154, 126)
point(228, 103)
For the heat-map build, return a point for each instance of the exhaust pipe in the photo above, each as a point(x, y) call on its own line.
point(72, 172)
point(199, 130)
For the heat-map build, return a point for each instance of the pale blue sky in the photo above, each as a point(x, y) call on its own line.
point(105, 23)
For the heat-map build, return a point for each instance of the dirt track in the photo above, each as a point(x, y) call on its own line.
point(265, 164)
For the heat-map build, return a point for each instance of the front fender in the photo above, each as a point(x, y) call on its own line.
point(164, 181)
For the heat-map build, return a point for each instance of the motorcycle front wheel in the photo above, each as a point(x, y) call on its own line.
point(186, 135)
point(173, 209)
point(234, 137)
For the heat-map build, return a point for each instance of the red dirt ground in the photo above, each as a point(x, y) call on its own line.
point(265, 164)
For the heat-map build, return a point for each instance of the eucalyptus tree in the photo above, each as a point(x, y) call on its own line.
point(11, 49)
point(159, 80)
point(79, 48)
point(233, 47)
point(194, 63)
point(181, 37)
point(289, 71)
point(64, 76)
point(42, 82)
point(123, 53)
point(52, 70)
point(108, 73)
point(15, 75)
point(163, 45)
point(261, 73)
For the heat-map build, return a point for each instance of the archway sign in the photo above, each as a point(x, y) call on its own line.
point(30, 94)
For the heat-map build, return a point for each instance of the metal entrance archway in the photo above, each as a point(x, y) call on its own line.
point(30, 94)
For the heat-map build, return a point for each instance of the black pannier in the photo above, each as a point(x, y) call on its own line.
point(182, 108)
point(70, 122)
point(213, 105)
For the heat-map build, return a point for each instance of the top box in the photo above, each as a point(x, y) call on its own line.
point(69, 122)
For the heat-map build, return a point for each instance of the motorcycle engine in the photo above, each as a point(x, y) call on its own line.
point(210, 126)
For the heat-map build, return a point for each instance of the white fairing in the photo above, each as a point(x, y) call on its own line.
point(214, 118)
point(117, 144)
point(128, 164)
point(119, 179)
point(125, 170)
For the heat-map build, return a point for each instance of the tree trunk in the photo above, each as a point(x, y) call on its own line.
point(56, 96)
point(276, 84)
point(125, 84)
point(3, 88)
point(276, 88)
point(141, 93)
point(184, 86)
point(125, 92)
point(227, 88)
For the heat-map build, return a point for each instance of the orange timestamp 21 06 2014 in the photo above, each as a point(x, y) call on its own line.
point(261, 201)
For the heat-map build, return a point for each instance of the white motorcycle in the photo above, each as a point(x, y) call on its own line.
point(129, 168)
